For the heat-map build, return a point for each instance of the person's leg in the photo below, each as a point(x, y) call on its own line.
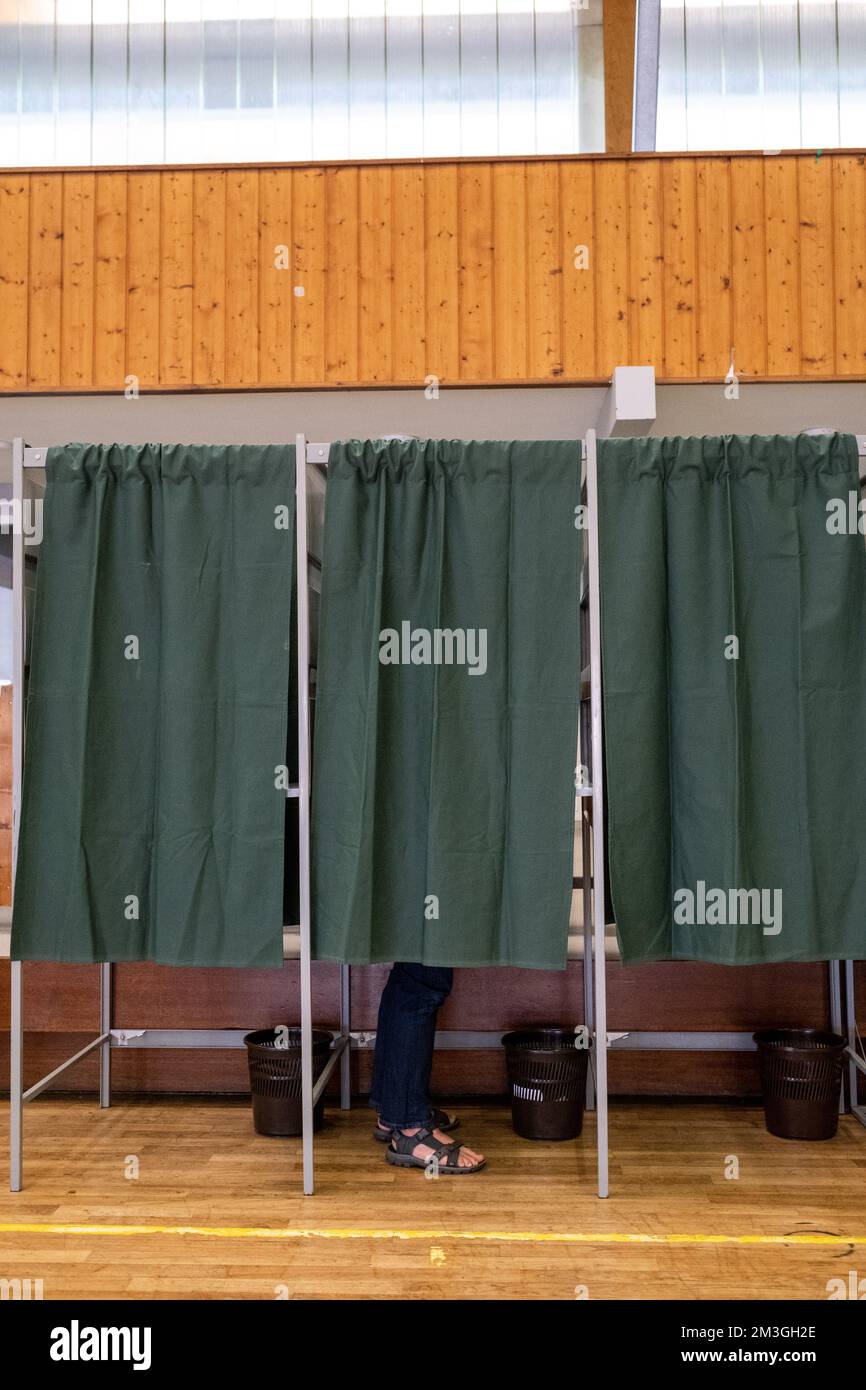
point(405, 1036)
point(403, 1059)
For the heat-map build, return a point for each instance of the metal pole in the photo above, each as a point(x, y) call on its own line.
point(598, 877)
point(345, 1028)
point(19, 630)
point(836, 1016)
point(835, 997)
point(851, 1021)
point(303, 667)
point(585, 841)
point(646, 74)
point(588, 1007)
point(105, 983)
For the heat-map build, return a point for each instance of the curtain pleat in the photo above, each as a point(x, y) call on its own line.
point(443, 797)
point(152, 821)
point(734, 659)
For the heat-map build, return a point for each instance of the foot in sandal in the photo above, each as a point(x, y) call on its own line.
point(437, 1119)
point(418, 1147)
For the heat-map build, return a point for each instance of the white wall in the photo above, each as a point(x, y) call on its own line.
point(503, 413)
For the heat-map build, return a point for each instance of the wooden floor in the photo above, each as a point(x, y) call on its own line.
point(530, 1226)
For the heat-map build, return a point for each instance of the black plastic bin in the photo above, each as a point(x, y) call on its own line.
point(275, 1078)
point(801, 1073)
point(547, 1082)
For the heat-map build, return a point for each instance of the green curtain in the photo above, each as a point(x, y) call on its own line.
point(734, 661)
point(443, 793)
point(152, 823)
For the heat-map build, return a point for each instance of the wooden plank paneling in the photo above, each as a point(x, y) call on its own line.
point(475, 249)
point(679, 250)
point(341, 312)
point(611, 262)
point(783, 267)
point(109, 328)
point(79, 228)
point(275, 276)
point(309, 241)
point(209, 275)
point(578, 249)
point(714, 267)
point(375, 281)
point(749, 298)
point(509, 271)
point(61, 1000)
point(815, 239)
point(441, 273)
point(409, 347)
point(646, 265)
point(143, 270)
point(46, 280)
point(14, 266)
point(242, 277)
point(849, 202)
point(544, 272)
point(483, 271)
point(176, 279)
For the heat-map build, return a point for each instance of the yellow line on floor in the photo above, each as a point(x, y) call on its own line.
point(66, 1228)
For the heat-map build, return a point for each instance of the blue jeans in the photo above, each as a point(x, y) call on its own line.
point(404, 1043)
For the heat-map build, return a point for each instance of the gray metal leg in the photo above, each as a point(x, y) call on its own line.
point(836, 1016)
point(19, 630)
point(598, 875)
point(851, 1030)
point(588, 1004)
point(835, 997)
point(105, 983)
point(16, 1082)
point(345, 1028)
point(303, 626)
point(646, 75)
point(600, 966)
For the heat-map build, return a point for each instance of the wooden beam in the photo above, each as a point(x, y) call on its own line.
point(618, 20)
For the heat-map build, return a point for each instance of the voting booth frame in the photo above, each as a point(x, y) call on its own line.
point(593, 943)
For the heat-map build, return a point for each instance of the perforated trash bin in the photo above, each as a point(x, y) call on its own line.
point(274, 1057)
point(547, 1082)
point(801, 1073)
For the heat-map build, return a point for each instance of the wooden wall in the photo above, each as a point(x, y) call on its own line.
point(463, 270)
point(61, 1014)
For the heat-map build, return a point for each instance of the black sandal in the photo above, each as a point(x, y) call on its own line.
point(445, 1159)
point(438, 1119)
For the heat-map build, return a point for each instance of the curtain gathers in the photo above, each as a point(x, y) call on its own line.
point(733, 591)
point(446, 714)
point(152, 824)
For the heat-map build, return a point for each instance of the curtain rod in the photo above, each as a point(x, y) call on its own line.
point(316, 453)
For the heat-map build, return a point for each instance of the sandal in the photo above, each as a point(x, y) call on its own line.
point(438, 1119)
point(400, 1153)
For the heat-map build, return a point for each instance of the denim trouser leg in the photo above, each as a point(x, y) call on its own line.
point(404, 1042)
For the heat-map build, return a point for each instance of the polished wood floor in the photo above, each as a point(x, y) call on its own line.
point(530, 1226)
